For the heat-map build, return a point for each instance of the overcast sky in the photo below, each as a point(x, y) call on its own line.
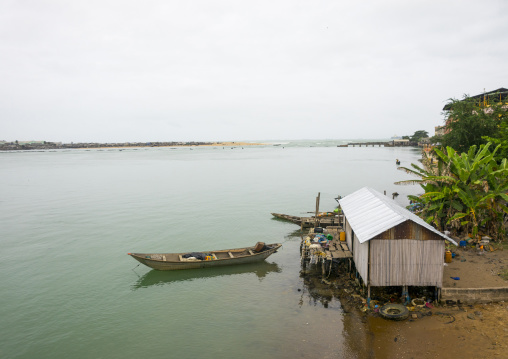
point(184, 70)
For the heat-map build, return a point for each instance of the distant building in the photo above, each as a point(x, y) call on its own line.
point(486, 98)
point(401, 142)
point(424, 141)
point(31, 142)
point(439, 130)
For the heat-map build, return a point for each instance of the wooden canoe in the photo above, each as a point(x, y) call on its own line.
point(307, 222)
point(225, 257)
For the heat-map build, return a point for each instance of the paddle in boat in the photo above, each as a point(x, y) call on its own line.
point(193, 260)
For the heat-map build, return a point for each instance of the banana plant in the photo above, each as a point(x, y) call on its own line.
point(468, 190)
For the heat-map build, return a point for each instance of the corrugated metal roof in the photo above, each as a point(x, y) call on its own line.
point(370, 213)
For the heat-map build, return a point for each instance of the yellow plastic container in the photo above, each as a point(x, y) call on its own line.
point(448, 257)
point(343, 236)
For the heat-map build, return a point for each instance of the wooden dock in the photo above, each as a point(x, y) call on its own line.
point(336, 248)
point(394, 143)
point(336, 252)
point(369, 144)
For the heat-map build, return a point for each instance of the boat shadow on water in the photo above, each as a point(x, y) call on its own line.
point(159, 278)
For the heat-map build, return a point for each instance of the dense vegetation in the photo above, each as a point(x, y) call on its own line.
point(464, 192)
point(418, 136)
point(465, 180)
point(473, 121)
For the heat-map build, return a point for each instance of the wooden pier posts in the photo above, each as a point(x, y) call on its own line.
point(334, 257)
point(316, 220)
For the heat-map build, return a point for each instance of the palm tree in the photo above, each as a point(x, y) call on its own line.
point(438, 201)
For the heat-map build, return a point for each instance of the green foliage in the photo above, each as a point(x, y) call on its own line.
point(472, 122)
point(418, 135)
point(436, 139)
point(463, 190)
point(501, 140)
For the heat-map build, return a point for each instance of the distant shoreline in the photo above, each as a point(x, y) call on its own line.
point(43, 145)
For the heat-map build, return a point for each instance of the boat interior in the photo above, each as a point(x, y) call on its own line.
point(223, 254)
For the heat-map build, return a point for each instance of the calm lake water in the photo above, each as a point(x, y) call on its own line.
point(68, 219)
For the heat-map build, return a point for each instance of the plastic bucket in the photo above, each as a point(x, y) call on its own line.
point(448, 257)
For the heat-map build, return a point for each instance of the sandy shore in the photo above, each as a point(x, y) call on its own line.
point(478, 331)
point(232, 144)
point(102, 146)
point(456, 331)
point(444, 331)
point(476, 270)
point(210, 144)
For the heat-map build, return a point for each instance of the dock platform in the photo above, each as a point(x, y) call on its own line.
point(337, 249)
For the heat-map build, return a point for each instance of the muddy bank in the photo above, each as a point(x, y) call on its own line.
point(458, 332)
point(440, 330)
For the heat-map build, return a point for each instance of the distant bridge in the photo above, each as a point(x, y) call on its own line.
point(368, 144)
point(378, 144)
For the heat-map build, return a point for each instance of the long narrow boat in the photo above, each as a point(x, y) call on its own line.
point(325, 220)
point(225, 257)
point(305, 221)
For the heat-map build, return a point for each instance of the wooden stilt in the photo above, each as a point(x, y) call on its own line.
point(316, 221)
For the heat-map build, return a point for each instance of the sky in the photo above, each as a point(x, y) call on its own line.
point(200, 70)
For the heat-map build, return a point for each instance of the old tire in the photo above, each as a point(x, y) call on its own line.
point(394, 312)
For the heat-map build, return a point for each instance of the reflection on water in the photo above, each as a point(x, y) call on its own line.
point(296, 235)
point(155, 277)
point(355, 339)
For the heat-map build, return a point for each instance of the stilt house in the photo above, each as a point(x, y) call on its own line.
point(391, 246)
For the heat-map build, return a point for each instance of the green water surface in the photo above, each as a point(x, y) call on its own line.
point(68, 219)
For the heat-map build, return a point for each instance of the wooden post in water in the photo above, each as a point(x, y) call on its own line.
point(317, 210)
point(368, 277)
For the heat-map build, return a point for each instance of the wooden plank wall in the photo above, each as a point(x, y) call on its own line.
point(361, 258)
point(408, 229)
point(347, 229)
point(406, 262)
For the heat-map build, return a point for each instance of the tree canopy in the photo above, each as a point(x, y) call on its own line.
point(471, 122)
point(418, 135)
